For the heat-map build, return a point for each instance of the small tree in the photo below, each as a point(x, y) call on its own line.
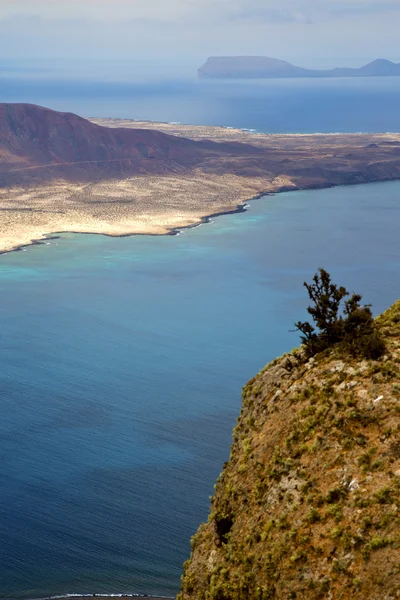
point(351, 324)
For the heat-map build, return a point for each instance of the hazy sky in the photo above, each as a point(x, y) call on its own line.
point(298, 30)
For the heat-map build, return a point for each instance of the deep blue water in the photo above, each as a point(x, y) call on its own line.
point(278, 106)
point(122, 362)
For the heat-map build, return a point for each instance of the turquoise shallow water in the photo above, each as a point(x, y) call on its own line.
point(122, 362)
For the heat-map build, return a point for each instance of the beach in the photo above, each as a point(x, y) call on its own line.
point(141, 205)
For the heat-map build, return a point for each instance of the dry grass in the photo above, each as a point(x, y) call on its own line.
point(139, 205)
point(308, 505)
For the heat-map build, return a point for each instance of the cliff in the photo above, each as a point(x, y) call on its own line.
point(238, 67)
point(308, 504)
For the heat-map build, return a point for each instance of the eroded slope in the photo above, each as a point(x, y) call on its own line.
point(308, 504)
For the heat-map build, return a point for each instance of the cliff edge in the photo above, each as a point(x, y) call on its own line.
point(308, 505)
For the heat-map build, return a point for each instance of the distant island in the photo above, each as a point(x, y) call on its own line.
point(60, 172)
point(263, 67)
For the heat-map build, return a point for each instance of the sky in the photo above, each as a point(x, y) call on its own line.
point(306, 32)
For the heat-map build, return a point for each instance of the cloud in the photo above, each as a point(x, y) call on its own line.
point(363, 8)
point(198, 28)
point(195, 11)
point(269, 15)
point(98, 10)
point(306, 11)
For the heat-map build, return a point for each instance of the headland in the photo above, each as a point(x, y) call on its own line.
point(307, 506)
point(62, 173)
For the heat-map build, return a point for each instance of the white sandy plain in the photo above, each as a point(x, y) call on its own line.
point(153, 204)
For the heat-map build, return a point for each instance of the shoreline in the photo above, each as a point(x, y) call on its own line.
point(175, 231)
point(157, 205)
point(169, 203)
point(121, 122)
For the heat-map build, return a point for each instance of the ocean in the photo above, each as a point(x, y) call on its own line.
point(122, 359)
point(274, 105)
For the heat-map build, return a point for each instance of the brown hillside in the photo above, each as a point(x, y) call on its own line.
point(308, 505)
point(39, 144)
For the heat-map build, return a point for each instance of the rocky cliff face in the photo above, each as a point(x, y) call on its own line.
point(308, 505)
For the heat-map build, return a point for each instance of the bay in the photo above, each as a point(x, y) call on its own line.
point(122, 362)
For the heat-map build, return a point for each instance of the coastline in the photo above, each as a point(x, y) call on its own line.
point(157, 224)
point(167, 204)
point(224, 133)
point(176, 230)
point(172, 231)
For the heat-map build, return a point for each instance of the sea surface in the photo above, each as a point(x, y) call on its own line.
point(274, 105)
point(122, 362)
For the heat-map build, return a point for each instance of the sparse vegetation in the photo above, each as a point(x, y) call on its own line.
point(308, 505)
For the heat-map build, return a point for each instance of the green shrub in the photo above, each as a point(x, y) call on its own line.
point(383, 496)
point(313, 516)
point(338, 321)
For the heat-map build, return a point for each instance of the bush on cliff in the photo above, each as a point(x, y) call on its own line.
point(338, 321)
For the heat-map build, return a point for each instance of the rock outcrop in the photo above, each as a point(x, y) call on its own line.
point(308, 505)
